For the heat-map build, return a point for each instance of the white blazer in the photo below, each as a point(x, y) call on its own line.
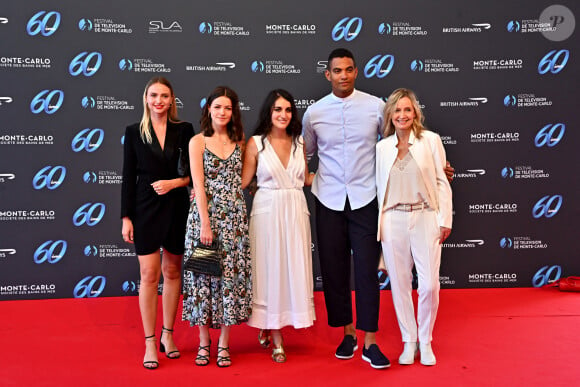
point(429, 154)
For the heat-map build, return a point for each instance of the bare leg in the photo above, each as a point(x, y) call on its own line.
point(223, 347)
point(350, 330)
point(202, 358)
point(171, 268)
point(278, 352)
point(150, 270)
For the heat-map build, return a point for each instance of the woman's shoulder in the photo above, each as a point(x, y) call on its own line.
point(429, 133)
point(386, 140)
point(133, 127)
point(183, 124)
point(198, 138)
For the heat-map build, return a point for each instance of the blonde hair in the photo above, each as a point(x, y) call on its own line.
point(145, 125)
point(392, 101)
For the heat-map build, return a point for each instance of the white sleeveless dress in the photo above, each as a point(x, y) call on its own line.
point(280, 243)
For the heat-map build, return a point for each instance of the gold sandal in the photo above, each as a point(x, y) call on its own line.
point(278, 353)
point(264, 338)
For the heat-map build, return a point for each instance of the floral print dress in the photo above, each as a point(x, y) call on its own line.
point(225, 300)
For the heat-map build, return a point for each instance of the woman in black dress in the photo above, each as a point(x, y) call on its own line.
point(154, 205)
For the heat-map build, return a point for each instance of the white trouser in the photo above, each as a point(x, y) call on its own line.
point(407, 238)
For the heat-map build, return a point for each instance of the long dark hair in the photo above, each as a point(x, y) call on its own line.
point(264, 125)
point(234, 127)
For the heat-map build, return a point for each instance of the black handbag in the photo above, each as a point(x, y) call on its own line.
point(205, 259)
point(182, 164)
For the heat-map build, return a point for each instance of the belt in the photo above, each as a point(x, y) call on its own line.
point(408, 207)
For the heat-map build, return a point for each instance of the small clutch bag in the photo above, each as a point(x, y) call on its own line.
point(205, 259)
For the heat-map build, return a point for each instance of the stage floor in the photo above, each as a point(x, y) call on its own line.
point(483, 337)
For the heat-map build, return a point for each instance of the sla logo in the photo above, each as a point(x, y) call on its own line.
point(417, 65)
point(513, 26)
point(50, 251)
point(85, 25)
point(548, 206)
point(159, 26)
point(49, 177)
point(509, 100)
point(550, 135)
point(85, 63)
point(88, 140)
point(379, 66)
point(89, 214)
point(90, 177)
point(546, 275)
point(90, 287)
point(506, 243)
point(347, 28)
point(507, 172)
point(125, 64)
point(385, 29)
point(129, 286)
point(257, 66)
point(44, 23)
point(88, 102)
point(205, 28)
point(48, 101)
point(554, 61)
point(90, 250)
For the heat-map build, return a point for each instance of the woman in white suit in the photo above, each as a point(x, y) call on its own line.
point(414, 218)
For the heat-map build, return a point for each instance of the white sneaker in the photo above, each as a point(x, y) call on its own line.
point(427, 355)
point(409, 353)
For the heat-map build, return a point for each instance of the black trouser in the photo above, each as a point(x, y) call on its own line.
point(339, 232)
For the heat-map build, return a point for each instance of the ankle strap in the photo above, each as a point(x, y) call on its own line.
point(150, 337)
point(166, 329)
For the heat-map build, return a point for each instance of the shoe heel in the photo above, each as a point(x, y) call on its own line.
point(161, 346)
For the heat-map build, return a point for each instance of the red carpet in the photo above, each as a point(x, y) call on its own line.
point(483, 337)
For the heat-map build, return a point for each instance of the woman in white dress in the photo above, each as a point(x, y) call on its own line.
point(280, 240)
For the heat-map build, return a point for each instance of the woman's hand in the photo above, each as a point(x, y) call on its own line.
point(127, 230)
point(449, 171)
point(162, 187)
point(205, 235)
point(444, 234)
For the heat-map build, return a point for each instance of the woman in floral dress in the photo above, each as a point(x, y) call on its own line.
point(218, 211)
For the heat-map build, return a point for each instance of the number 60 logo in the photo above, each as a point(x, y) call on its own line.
point(89, 214)
point(548, 206)
point(344, 29)
point(546, 275)
point(90, 287)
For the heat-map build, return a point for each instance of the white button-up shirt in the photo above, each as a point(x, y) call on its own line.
point(344, 132)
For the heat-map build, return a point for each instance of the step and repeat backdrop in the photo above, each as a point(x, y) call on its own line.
point(497, 80)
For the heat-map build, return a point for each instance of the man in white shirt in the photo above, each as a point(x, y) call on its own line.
point(343, 128)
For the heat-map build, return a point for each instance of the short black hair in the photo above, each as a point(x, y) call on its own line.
point(340, 53)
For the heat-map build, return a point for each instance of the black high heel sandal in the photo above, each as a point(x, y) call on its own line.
point(162, 346)
point(203, 359)
point(223, 361)
point(150, 364)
